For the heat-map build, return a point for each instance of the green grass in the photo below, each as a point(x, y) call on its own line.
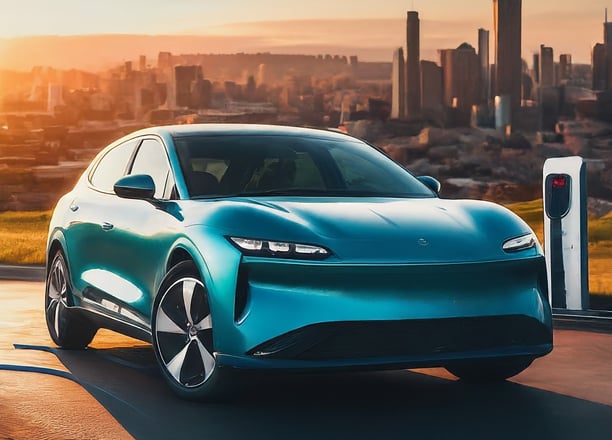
point(23, 240)
point(600, 243)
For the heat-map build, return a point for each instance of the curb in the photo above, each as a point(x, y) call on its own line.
point(22, 273)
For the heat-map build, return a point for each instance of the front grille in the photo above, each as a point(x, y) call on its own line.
point(404, 338)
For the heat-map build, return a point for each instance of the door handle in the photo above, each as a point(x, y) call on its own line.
point(107, 226)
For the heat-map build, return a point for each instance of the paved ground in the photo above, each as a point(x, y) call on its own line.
point(116, 392)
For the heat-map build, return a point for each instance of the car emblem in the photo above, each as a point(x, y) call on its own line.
point(422, 242)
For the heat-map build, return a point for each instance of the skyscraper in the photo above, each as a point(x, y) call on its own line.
point(547, 66)
point(398, 94)
point(507, 21)
point(461, 73)
point(565, 66)
point(602, 59)
point(413, 71)
point(485, 66)
point(600, 67)
point(607, 30)
point(185, 76)
point(431, 86)
point(536, 67)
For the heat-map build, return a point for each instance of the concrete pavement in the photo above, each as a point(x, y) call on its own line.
point(119, 393)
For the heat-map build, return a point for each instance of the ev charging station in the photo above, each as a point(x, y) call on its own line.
point(565, 232)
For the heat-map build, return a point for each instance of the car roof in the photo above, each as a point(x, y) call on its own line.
point(242, 129)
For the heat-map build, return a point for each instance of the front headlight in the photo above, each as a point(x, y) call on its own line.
point(521, 243)
point(280, 249)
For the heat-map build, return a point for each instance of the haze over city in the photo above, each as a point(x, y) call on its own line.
point(369, 28)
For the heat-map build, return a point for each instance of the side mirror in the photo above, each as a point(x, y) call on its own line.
point(136, 186)
point(431, 183)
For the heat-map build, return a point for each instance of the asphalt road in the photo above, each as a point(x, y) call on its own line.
point(114, 390)
point(22, 273)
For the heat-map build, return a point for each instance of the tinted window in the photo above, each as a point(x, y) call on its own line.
point(151, 159)
point(112, 166)
point(231, 165)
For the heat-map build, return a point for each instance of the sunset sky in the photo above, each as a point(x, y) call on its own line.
point(569, 26)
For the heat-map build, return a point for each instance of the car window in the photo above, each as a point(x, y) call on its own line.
point(298, 171)
point(112, 166)
point(241, 165)
point(360, 173)
point(151, 159)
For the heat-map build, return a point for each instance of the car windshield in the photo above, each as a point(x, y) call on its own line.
point(261, 165)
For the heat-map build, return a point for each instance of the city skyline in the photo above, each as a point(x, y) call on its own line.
point(369, 29)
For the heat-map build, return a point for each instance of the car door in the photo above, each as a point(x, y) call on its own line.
point(87, 231)
point(141, 234)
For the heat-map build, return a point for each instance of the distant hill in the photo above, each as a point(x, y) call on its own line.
point(95, 52)
point(370, 40)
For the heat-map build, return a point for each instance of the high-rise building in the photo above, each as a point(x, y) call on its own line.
point(55, 97)
point(507, 16)
point(461, 74)
point(164, 60)
point(547, 66)
point(185, 79)
point(397, 85)
point(565, 67)
point(607, 29)
point(413, 71)
point(602, 59)
point(485, 65)
point(142, 63)
point(536, 67)
point(600, 68)
point(431, 86)
point(262, 75)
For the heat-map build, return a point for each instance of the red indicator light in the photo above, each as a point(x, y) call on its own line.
point(559, 181)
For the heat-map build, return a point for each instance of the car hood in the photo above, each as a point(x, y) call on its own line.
point(383, 229)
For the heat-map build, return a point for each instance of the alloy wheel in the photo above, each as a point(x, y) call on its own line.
point(57, 293)
point(183, 332)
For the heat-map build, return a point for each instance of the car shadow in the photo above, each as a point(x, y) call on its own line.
point(372, 405)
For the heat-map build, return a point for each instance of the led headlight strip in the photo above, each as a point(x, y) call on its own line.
point(280, 249)
point(521, 243)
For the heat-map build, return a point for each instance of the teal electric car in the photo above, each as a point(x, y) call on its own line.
point(264, 247)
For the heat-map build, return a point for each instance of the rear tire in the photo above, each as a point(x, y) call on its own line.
point(182, 330)
point(489, 370)
point(66, 327)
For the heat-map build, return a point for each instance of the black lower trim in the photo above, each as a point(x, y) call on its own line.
point(102, 321)
point(372, 339)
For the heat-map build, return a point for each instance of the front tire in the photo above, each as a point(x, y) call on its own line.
point(66, 328)
point(489, 370)
point(182, 331)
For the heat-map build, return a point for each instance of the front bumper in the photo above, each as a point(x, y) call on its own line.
point(291, 314)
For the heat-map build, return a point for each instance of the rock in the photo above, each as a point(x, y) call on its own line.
point(368, 130)
point(443, 152)
point(543, 137)
point(552, 150)
point(505, 192)
point(517, 141)
point(463, 188)
point(598, 207)
point(433, 137)
point(423, 167)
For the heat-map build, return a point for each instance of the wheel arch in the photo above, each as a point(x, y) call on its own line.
point(56, 243)
point(178, 255)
